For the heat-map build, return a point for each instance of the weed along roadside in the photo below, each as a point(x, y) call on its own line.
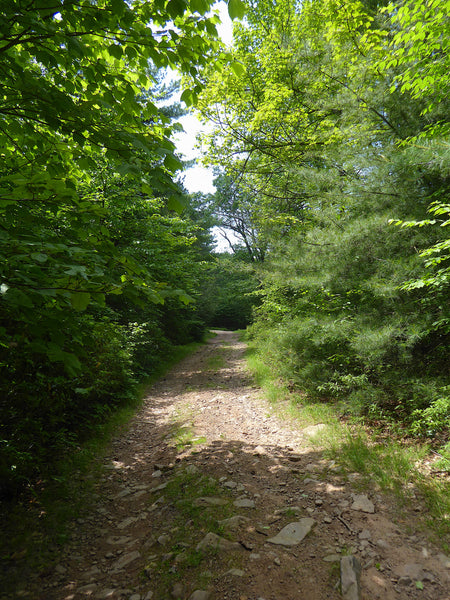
point(214, 493)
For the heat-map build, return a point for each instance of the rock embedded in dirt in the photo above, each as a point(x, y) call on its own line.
point(314, 429)
point(362, 503)
point(87, 589)
point(231, 485)
point(235, 572)
point(350, 578)
point(234, 522)
point(105, 594)
point(177, 591)
point(244, 503)
point(294, 533)
point(444, 560)
point(126, 522)
point(125, 560)
point(332, 558)
point(288, 509)
point(415, 572)
point(211, 541)
point(210, 501)
point(200, 595)
point(365, 535)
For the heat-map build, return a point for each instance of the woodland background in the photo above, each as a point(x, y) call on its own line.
point(329, 144)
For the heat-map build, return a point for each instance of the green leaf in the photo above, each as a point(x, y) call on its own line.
point(75, 47)
point(147, 189)
point(201, 6)
point(39, 257)
point(176, 203)
point(176, 8)
point(80, 300)
point(188, 97)
point(236, 9)
point(238, 69)
point(118, 6)
point(17, 298)
point(172, 163)
point(116, 51)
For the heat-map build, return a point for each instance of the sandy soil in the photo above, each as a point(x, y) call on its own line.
point(206, 419)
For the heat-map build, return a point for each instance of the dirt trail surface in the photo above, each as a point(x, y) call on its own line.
point(193, 497)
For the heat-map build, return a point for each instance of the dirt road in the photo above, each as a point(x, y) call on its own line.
point(193, 496)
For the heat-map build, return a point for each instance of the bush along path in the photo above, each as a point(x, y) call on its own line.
point(209, 495)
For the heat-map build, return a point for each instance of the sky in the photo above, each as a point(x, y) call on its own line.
point(198, 178)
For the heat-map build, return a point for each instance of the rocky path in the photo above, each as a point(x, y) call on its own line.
point(209, 495)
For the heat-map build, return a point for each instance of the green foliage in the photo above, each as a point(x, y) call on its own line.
point(228, 292)
point(97, 273)
point(435, 418)
point(188, 518)
point(337, 127)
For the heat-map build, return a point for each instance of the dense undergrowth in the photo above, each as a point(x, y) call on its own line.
point(332, 148)
point(381, 451)
point(37, 522)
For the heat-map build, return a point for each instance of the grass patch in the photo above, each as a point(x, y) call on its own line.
point(392, 463)
point(395, 467)
point(215, 363)
point(291, 406)
point(189, 521)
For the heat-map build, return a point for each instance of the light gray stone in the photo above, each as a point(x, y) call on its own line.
point(294, 533)
point(177, 591)
point(126, 522)
point(230, 485)
point(244, 503)
point(362, 503)
point(365, 535)
point(60, 569)
point(288, 509)
point(126, 559)
point(413, 570)
point(350, 577)
point(211, 541)
point(158, 488)
point(87, 589)
point(332, 558)
point(314, 429)
point(234, 522)
point(191, 470)
point(106, 593)
point(200, 595)
point(235, 573)
point(164, 539)
point(444, 560)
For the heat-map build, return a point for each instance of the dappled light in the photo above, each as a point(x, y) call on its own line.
point(209, 490)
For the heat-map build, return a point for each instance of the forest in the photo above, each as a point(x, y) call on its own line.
point(328, 134)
